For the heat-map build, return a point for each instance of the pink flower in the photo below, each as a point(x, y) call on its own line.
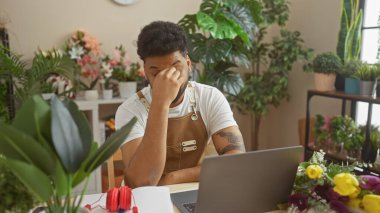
point(116, 55)
point(141, 73)
point(327, 125)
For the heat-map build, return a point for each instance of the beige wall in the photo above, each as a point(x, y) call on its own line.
point(47, 23)
point(318, 21)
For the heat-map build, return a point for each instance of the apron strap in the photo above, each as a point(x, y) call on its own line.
point(143, 100)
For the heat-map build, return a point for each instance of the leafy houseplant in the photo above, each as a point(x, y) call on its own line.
point(271, 63)
point(368, 75)
point(29, 79)
point(325, 67)
point(345, 131)
point(67, 154)
point(322, 132)
point(351, 83)
point(372, 143)
point(15, 197)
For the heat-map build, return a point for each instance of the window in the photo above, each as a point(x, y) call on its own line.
point(370, 53)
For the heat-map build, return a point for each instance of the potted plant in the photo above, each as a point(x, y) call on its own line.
point(84, 49)
point(373, 143)
point(127, 73)
point(351, 82)
point(350, 35)
point(106, 75)
point(345, 134)
point(325, 66)
point(322, 131)
point(67, 154)
point(368, 75)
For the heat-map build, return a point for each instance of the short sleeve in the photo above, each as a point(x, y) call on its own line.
point(123, 116)
point(219, 113)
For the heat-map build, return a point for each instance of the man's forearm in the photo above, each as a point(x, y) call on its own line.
point(181, 176)
point(147, 165)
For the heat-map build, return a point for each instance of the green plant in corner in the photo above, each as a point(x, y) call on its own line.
point(344, 130)
point(67, 154)
point(350, 67)
point(367, 72)
point(271, 63)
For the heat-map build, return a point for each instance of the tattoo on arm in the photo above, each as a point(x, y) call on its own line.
point(235, 142)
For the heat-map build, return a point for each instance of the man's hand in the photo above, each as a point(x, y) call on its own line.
point(166, 85)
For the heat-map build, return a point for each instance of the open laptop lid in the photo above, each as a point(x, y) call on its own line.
point(250, 182)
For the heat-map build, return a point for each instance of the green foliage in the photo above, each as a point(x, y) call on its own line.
point(321, 130)
point(66, 156)
point(344, 130)
point(350, 33)
point(328, 63)
point(374, 135)
point(29, 78)
point(4, 115)
point(219, 36)
point(14, 195)
point(350, 67)
point(367, 72)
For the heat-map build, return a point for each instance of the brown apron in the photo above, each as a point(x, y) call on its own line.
point(186, 137)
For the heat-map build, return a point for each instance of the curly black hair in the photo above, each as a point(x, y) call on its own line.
point(160, 38)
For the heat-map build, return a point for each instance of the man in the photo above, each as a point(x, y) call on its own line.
point(176, 118)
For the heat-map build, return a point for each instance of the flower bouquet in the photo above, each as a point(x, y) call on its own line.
point(322, 187)
point(84, 49)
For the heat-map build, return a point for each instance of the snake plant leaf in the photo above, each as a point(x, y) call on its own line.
point(81, 174)
point(34, 119)
point(110, 146)
point(223, 29)
point(355, 45)
point(82, 123)
point(207, 50)
point(15, 144)
point(34, 179)
point(66, 136)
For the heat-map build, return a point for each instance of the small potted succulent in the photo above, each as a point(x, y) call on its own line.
point(351, 84)
point(325, 66)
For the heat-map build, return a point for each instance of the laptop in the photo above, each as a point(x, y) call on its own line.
point(249, 182)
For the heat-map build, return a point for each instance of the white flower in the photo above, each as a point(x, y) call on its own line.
point(76, 52)
point(107, 69)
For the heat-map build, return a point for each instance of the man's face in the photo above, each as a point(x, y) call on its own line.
point(155, 64)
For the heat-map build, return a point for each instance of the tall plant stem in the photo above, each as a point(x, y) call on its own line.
point(256, 122)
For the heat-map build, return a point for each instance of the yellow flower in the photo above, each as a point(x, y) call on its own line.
point(354, 203)
point(314, 171)
point(356, 193)
point(346, 184)
point(371, 203)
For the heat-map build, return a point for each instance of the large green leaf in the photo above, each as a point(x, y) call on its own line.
point(208, 50)
point(110, 146)
point(189, 23)
point(82, 123)
point(15, 144)
point(221, 29)
point(34, 179)
point(60, 179)
point(66, 137)
point(224, 78)
point(34, 119)
point(245, 25)
point(81, 174)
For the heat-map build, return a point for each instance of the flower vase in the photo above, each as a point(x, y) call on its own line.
point(336, 148)
point(47, 96)
point(107, 94)
point(91, 95)
point(127, 89)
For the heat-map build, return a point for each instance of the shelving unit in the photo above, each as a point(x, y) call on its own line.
point(353, 99)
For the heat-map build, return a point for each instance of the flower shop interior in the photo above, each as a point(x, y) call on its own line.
point(295, 73)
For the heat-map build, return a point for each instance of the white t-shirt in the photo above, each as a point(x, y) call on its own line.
point(210, 102)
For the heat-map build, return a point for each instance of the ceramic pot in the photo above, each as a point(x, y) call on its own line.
point(366, 88)
point(91, 95)
point(324, 82)
point(352, 86)
point(107, 94)
point(127, 89)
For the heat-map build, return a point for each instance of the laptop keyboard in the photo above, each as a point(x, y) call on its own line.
point(190, 207)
